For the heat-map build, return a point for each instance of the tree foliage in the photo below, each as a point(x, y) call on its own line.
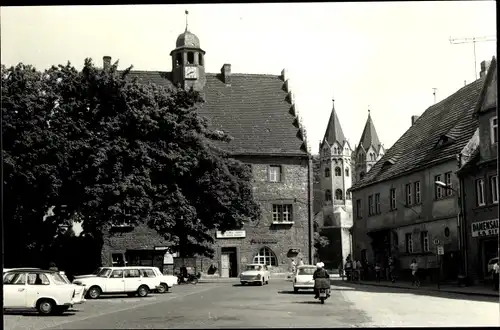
point(106, 149)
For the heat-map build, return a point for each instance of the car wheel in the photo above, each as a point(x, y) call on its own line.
point(45, 306)
point(163, 288)
point(94, 292)
point(295, 290)
point(142, 291)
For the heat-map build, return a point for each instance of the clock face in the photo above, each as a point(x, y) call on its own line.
point(190, 72)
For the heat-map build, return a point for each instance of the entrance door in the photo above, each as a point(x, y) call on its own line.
point(224, 259)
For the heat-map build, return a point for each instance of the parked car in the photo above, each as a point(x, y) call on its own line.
point(116, 280)
point(166, 281)
point(44, 290)
point(80, 291)
point(94, 274)
point(303, 278)
point(255, 273)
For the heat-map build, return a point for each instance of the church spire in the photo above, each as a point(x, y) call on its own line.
point(334, 131)
point(369, 136)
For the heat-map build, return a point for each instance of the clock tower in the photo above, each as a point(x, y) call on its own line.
point(188, 62)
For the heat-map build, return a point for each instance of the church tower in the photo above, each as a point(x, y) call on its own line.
point(335, 218)
point(188, 61)
point(369, 150)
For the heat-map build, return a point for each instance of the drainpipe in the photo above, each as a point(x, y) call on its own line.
point(309, 207)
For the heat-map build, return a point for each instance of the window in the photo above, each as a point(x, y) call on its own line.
point(346, 172)
point(118, 259)
point(424, 241)
point(328, 195)
point(377, 204)
point(392, 198)
point(265, 257)
point(370, 205)
point(359, 215)
point(275, 173)
point(282, 213)
point(117, 273)
point(335, 151)
point(147, 273)
point(338, 172)
point(15, 279)
point(409, 243)
point(338, 194)
point(327, 172)
point(480, 192)
point(447, 180)
point(132, 273)
point(494, 189)
point(178, 59)
point(38, 279)
point(190, 58)
point(417, 193)
point(408, 195)
point(494, 130)
point(200, 58)
point(438, 190)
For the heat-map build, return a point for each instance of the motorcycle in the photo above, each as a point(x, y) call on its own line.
point(323, 295)
point(323, 289)
point(190, 279)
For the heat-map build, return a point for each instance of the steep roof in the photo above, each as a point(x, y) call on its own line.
point(489, 91)
point(369, 136)
point(334, 131)
point(438, 135)
point(255, 110)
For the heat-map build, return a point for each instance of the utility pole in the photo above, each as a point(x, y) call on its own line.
point(472, 40)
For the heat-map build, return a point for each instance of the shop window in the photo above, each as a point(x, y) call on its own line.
point(265, 257)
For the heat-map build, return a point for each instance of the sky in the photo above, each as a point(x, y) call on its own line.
point(386, 56)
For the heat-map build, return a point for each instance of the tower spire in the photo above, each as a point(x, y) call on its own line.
point(187, 13)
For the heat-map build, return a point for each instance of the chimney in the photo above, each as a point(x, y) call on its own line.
point(226, 73)
point(485, 65)
point(414, 119)
point(106, 62)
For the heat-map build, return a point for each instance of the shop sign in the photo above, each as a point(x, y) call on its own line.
point(485, 228)
point(231, 234)
point(263, 241)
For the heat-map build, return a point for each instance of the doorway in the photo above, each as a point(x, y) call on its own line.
point(229, 262)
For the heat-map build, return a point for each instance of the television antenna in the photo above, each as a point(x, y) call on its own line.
point(472, 40)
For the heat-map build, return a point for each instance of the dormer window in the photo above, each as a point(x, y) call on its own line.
point(200, 59)
point(190, 58)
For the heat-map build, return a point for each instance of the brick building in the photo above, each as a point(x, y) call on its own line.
point(258, 111)
point(479, 181)
point(338, 166)
point(399, 210)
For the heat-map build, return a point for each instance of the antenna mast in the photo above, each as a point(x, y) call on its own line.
point(472, 40)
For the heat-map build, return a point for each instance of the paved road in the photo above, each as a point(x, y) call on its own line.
point(225, 305)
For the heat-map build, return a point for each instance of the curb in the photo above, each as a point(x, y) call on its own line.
point(484, 294)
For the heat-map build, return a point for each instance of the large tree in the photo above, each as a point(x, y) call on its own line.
point(106, 149)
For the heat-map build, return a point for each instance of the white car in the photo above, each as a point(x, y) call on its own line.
point(166, 281)
point(94, 274)
point(255, 273)
point(116, 280)
point(44, 290)
point(303, 278)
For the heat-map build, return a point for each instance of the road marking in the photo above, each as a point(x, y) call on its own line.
point(59, 325)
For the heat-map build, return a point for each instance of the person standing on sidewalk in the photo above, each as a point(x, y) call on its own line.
point(392, 274)
point(496, 276)
point(414, 269)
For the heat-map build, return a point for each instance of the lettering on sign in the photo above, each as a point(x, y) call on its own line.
point(440, 250)
point(263, 241)
point(485, 228)
point(231, 234)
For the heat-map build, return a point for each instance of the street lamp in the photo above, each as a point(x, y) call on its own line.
point(459, 224)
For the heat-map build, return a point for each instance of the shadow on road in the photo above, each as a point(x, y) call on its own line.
point(307, 302)
point(239, 284)
point(422, 291)
point(34, 313)
point(119, 296)
point(310, 292)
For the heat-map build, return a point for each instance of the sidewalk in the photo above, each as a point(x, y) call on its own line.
point(477, 290)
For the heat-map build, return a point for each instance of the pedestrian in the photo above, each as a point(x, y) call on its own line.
point(354, 270)
point(392, 275)
point(359, 269)
point(52, 266)
point(496, 275)
point(348, 267)
point(414, 269)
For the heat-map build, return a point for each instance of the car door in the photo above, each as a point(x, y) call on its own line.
point(38, 285)
point(132, 280)
point(115, 282)
point(14, 290)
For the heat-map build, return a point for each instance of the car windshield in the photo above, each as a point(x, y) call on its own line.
point(306, 271)
point(57, 279)
point(254, 267)
point(104, 272)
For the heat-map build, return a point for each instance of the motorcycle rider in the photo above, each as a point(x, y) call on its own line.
point(320, 272)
